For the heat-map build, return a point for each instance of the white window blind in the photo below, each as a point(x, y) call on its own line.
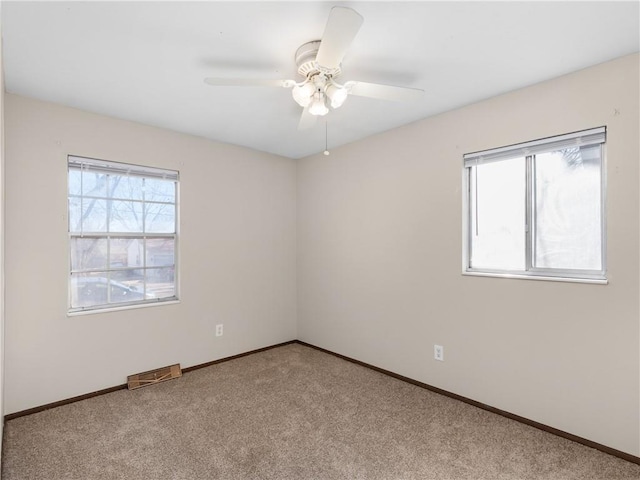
point(571, 140)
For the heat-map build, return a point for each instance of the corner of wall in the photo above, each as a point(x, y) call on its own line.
point(1, 238)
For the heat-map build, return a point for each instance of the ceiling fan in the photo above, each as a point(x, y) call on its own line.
point(319, 62)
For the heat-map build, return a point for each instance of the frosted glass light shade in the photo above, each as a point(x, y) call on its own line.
point(337, 95)
point(318, 106)
point(303, 94)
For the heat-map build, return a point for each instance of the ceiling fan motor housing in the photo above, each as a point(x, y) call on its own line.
point(306, 61)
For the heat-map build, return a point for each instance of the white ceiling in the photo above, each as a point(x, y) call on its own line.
point(146, 61)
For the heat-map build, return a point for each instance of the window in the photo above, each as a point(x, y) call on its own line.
point(537, 209)
point(122, 234)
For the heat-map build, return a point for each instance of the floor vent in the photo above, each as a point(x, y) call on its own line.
point(154, 376)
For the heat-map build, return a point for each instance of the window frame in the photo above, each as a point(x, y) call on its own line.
point(76, 162)
point(590, 137)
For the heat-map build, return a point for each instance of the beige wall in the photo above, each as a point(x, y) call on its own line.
point(237, 255)
point(379, 263)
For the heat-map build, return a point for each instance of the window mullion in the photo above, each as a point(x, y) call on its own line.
point(470, 219)
point(81, 201)
point(603, 215)
point(108, 236)
point(529, 213)
point(144, 238)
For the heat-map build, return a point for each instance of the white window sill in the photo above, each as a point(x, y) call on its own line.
point(118, 309)
point(596, 281)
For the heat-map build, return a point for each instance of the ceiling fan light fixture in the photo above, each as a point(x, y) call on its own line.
point(336, 94)
point(320, 63)
point(303, 94)
point(318, 106)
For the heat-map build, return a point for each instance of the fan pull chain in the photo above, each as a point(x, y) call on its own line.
point(326, 138)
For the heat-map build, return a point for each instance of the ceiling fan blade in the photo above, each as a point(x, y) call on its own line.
point(342, 26)
point(384, 92)
point(248, 82)
point(307, 120)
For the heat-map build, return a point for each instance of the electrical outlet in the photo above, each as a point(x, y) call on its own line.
point(438, 352)
point(219, 330)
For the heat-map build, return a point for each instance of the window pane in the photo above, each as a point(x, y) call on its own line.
point(88, 253)
point(568, 233)
point(125, 216)
point(156, 190)
point(126, 252)
point(132, 277)
point(88, 289)
point(160, 218)
point(160, 282)
point(74, 214)
point(127, 286)
point(102, 288)
point(121, 293)
point(94, 184)
point(125, 187)
point(160, 252)
point(498, 215)
point(94, 216)
point(74, 182)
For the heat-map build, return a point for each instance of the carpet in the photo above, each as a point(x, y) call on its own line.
point(291, 412)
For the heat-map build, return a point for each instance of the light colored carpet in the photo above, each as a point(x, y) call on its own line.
point(289, 413)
